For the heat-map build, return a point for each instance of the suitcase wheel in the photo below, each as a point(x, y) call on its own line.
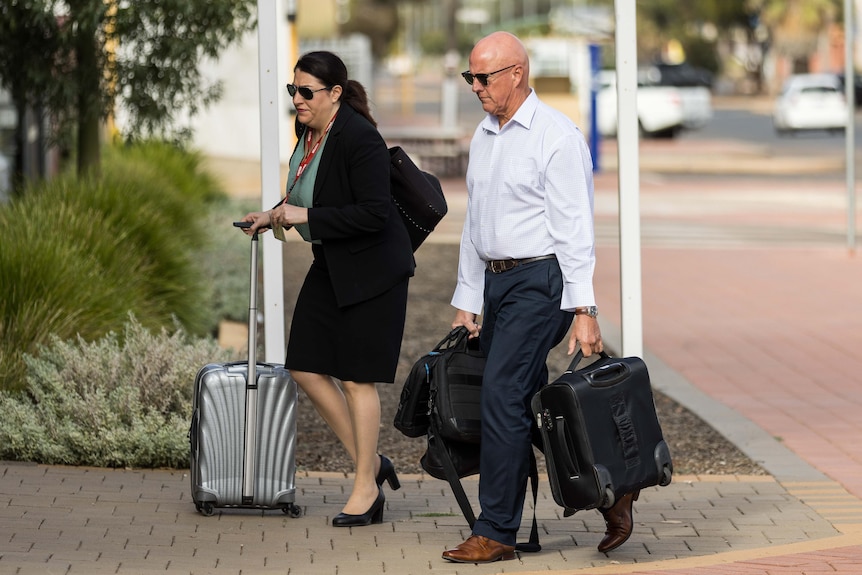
point(663, 463)
point(292, 510)
point(666, 475)
point(604, 480)
point(206, 508)
point(610, 498)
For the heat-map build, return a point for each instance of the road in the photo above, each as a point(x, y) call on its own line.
point(754, 126)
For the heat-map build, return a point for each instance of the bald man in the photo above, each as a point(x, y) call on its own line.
point(526, 263)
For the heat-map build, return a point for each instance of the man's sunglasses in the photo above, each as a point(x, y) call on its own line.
point(306, 93)
point(483, 78)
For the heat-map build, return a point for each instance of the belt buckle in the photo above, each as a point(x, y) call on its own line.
point(500, 266)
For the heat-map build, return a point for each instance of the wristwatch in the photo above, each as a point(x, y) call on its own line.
point(591, 311)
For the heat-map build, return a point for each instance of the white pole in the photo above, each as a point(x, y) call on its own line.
point(850, 130)
point(270, 176)
point(629, 178)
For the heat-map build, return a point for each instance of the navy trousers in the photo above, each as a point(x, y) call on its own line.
point(521, 323)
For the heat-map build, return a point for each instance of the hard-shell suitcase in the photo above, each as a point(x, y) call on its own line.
point(602, 437)
point(243, 432)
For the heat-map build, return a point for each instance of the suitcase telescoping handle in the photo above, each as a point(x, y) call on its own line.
point(250, 428)
point(252, 306)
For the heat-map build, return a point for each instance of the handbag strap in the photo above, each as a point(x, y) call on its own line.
point(532, 545)
point(437, 443)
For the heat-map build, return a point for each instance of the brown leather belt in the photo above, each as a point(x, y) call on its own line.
point(500, 266)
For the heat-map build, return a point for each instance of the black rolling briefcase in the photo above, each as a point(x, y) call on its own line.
point(601, 433)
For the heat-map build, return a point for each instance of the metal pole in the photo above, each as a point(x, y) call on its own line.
point(595, 66)
point(850, 130)
point(629, 178)
point(270, 176)
point(449, 88)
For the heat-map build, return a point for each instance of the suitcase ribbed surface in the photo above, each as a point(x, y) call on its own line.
point(217, 449)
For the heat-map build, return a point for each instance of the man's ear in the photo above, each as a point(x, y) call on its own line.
point(519, 75)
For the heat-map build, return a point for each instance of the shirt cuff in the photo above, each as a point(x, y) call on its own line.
point(467, 299)
point(577, 295)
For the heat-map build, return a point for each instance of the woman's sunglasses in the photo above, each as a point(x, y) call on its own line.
point(306, 93)
point(483, 78)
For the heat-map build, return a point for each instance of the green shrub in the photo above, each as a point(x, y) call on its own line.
point(224, 258)
point(72, 278)
point(182, 168)
point(77, 255)
point(114, 402)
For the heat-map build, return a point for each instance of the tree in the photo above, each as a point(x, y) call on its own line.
point(662, 21)
point(76, 59)
point(795, 26)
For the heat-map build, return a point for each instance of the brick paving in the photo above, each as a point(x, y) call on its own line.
point(56, 519)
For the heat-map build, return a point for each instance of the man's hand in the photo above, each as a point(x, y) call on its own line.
point(468, 320)
point(586, 331)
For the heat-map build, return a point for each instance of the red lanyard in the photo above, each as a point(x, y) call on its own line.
point(310, 154)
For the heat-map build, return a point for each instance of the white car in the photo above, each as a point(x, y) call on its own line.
point(663, 110)
point(811, 102)
point(659, 109)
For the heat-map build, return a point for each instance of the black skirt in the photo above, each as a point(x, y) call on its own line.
point(359, 343)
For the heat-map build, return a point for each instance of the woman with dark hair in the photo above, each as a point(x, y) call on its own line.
point(349, 316)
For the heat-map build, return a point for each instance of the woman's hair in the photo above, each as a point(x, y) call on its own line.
point(330, 69)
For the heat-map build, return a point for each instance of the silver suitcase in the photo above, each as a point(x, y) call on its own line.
point(242, 437)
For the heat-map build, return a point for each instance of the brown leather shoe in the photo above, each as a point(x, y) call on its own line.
point(478, 549)
point(618, 520)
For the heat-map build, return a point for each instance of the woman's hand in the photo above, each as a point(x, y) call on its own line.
point(287, 215)
point(260, 222)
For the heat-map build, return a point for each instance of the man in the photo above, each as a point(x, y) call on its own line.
point(527, 259)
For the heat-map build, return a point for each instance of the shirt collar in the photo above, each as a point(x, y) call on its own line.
point(523, 115)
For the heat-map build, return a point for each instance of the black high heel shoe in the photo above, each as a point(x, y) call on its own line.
point(387, 473)
point(374, 515)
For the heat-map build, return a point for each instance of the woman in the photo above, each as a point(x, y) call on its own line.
point(349, 316)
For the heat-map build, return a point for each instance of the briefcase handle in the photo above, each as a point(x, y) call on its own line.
point(457, 339)
point(605, 375)
point(579, 356)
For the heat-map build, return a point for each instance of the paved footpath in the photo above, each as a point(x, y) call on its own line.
point(752, 319)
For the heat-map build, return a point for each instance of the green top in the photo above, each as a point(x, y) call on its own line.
point(303, 192)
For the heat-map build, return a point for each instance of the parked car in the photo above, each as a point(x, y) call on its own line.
point(810, 102)
point(679, 75)
point(857, 88)
point(663, 110)
point(694, 86)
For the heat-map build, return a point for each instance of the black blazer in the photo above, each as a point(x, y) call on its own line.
point(364, 239)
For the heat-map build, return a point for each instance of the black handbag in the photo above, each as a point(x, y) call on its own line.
point(453, 373)
point(458, 363)
point(462, 457)
point(456, 389)
point(417, 194)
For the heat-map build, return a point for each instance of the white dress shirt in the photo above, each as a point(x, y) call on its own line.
point(530, 193)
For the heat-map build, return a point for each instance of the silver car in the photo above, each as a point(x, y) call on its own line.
point(811, 102)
